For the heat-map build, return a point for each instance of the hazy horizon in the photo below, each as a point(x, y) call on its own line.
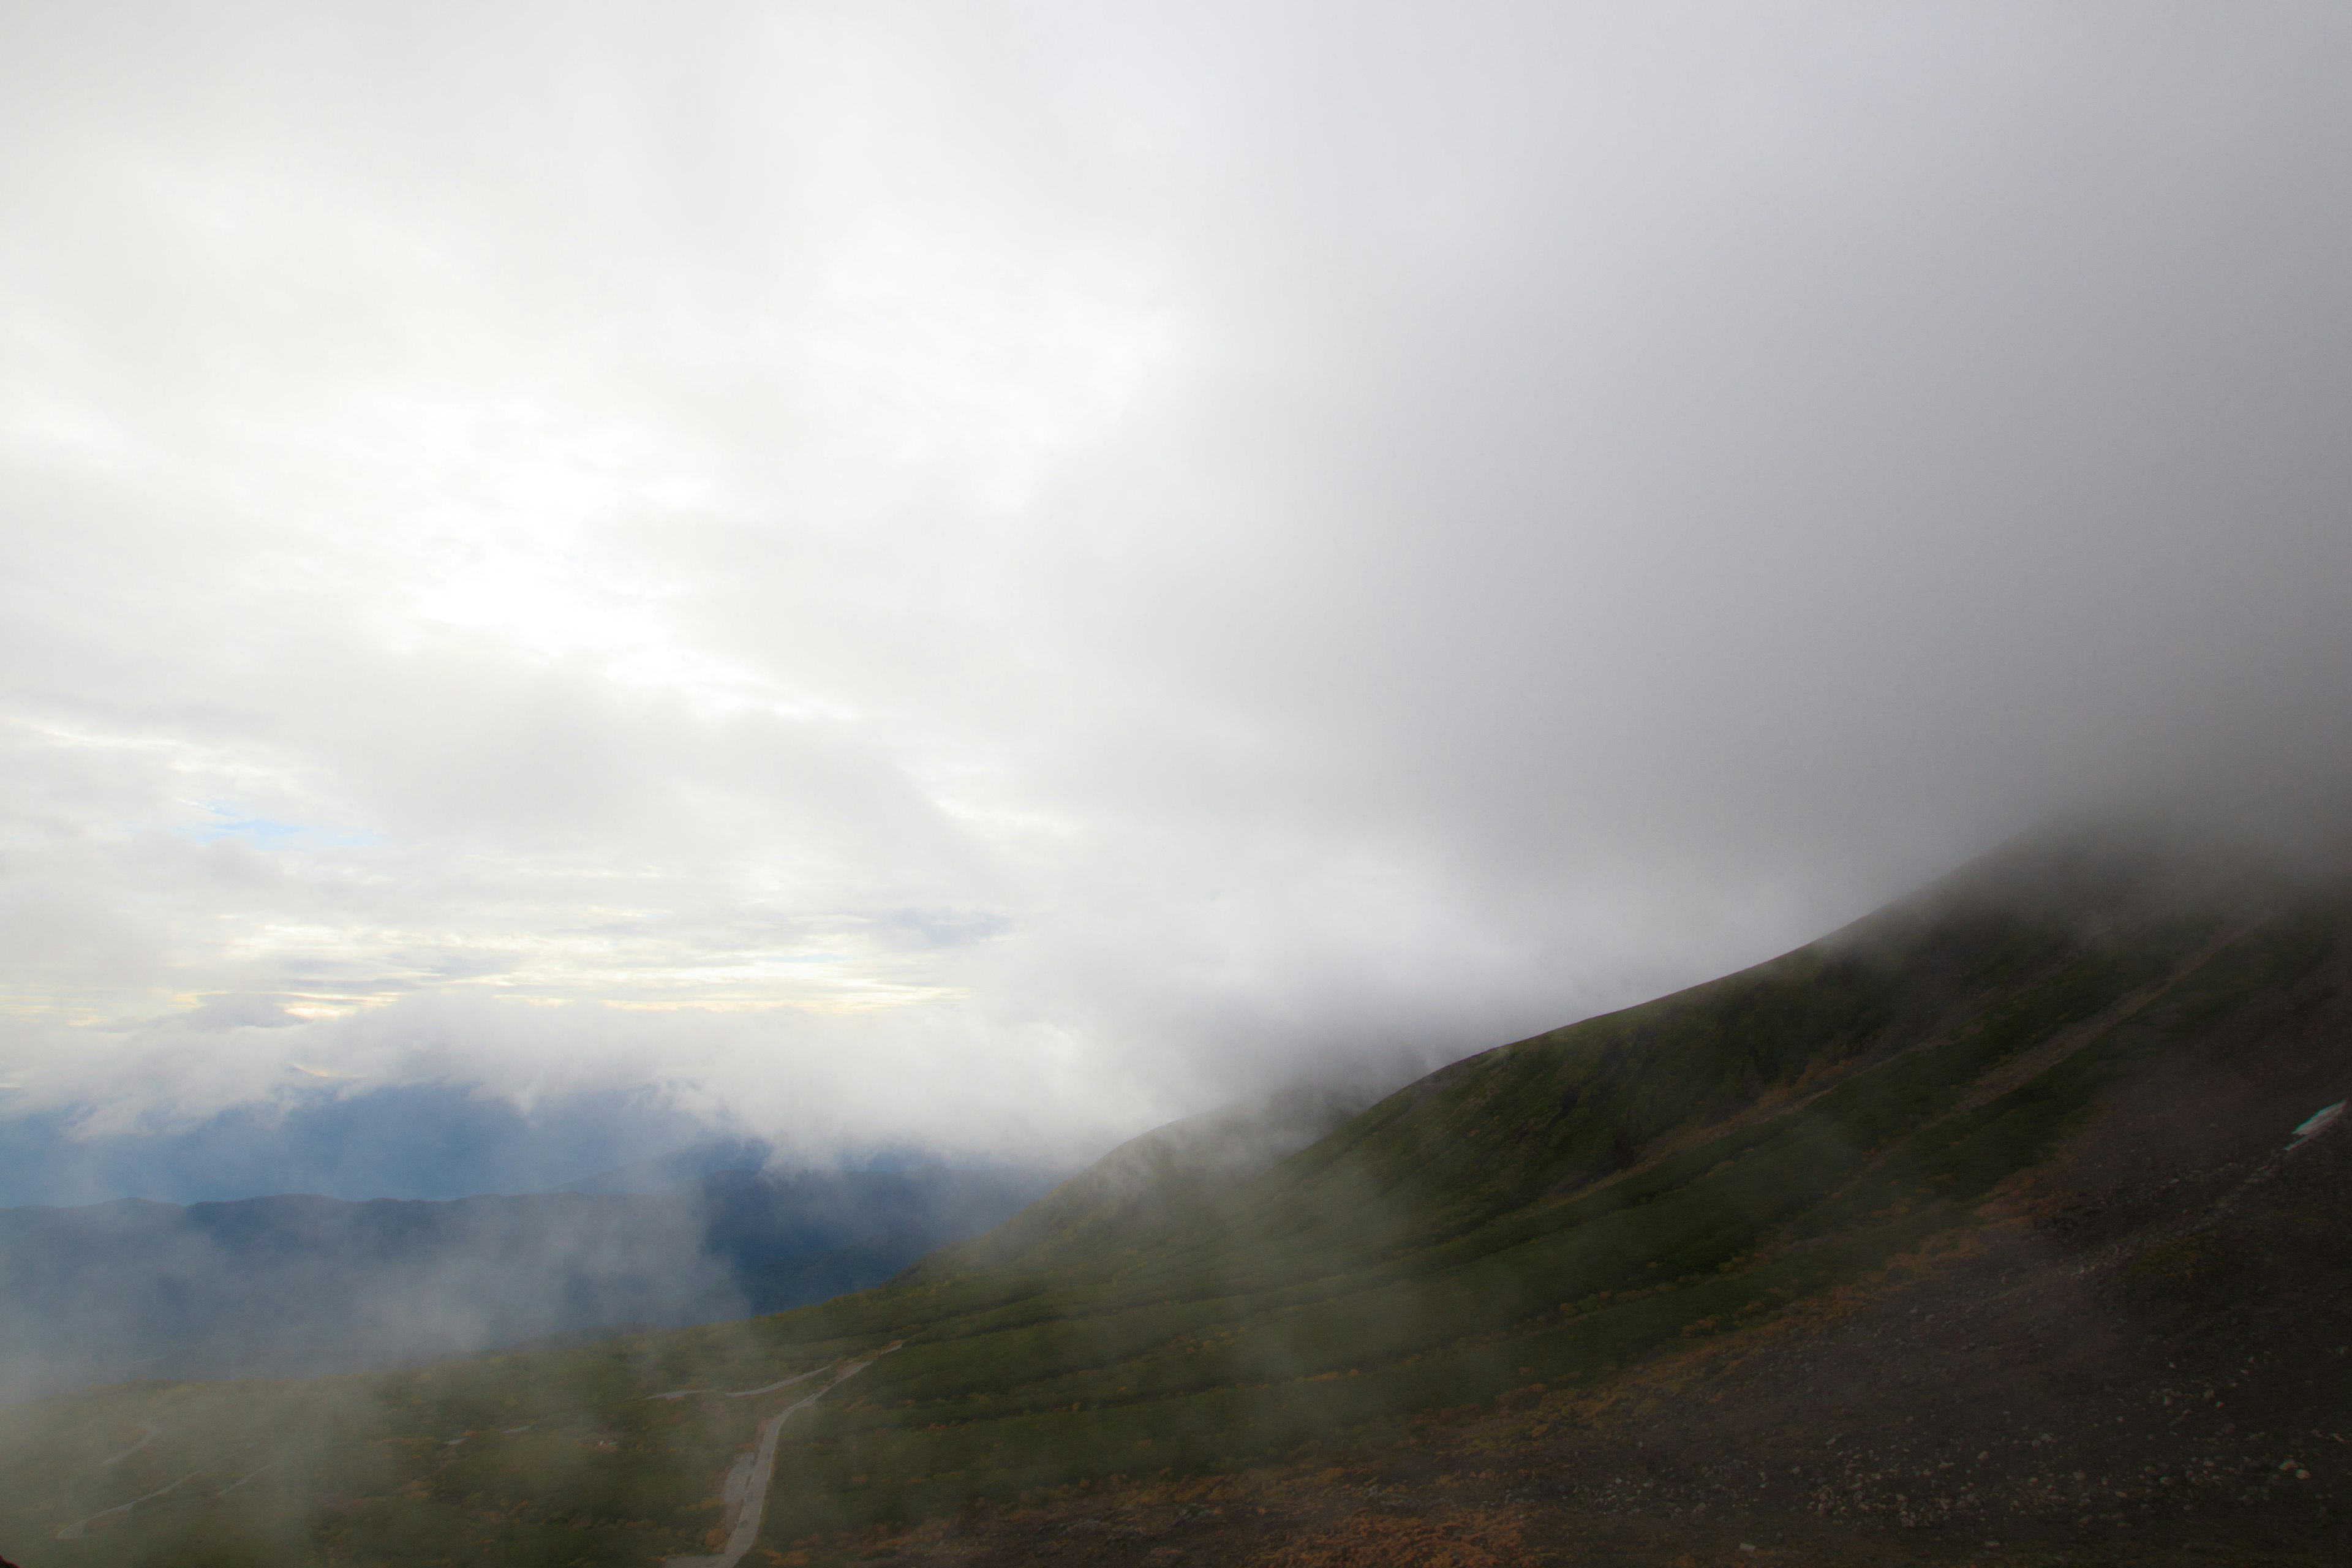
point(966, 580)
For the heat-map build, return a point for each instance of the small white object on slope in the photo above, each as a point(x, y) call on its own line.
point(2320, 1121)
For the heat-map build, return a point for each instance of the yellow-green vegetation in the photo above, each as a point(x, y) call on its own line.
point(1539, 1214)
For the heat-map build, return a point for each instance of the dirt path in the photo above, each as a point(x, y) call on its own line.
point(75, 1531)
point(740, 1393)
point(746, 1488)
point(148, 1432)
point(240, 1481)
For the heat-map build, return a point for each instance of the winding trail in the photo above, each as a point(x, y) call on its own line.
point(746, 1488)
point(149, 1432)
point(741, 1393)
point(241, 1480)
point(74, 1531)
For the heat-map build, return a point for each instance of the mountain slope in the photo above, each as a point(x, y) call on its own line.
point(1530, 1226)
point(1141, 1186)
point(1546, 1210)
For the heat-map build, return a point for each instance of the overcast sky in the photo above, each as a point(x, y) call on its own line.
point(978, 576)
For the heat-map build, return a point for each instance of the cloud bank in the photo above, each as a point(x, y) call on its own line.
point(985, 575)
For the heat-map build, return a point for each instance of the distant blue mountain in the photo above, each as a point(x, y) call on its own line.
point(679, 1167)
point(409, 1140)
point(294, 1286)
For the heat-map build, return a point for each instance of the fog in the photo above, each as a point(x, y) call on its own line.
point(979, 577)
point(300, 1286)
point(295, 1287)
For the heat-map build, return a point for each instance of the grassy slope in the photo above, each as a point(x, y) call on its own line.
point(1542, 1212)
point(1538, 1214)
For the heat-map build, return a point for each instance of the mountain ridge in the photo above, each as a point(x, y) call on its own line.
point(2024, 1097)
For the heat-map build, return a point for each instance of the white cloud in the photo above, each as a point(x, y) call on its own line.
point(903, 569)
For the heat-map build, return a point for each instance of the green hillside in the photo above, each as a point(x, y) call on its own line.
point(1541, 1212)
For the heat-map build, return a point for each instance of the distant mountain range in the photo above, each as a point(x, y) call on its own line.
point(344, 1140)
point(679, 1168)
point(2013, 1214)
point(298, 1285)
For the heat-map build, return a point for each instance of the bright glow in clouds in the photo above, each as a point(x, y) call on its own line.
point(977, 576)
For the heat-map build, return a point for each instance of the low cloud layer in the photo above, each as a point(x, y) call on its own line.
point(983, 576)
point(298, 1286)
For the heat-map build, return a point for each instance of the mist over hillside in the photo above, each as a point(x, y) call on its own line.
point(298, 1286)
point(656, 663)
point(2016, 1210)
point(431, 1140)
point(976, 578)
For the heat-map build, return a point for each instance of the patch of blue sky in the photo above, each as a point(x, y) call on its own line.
point(941, 927)
point(226, 819)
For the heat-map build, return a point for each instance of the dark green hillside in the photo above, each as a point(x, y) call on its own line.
point(1542, 1213)
point(1140, 1187)
point(1546, 1210)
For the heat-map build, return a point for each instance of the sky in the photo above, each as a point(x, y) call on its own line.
point(974, 578)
